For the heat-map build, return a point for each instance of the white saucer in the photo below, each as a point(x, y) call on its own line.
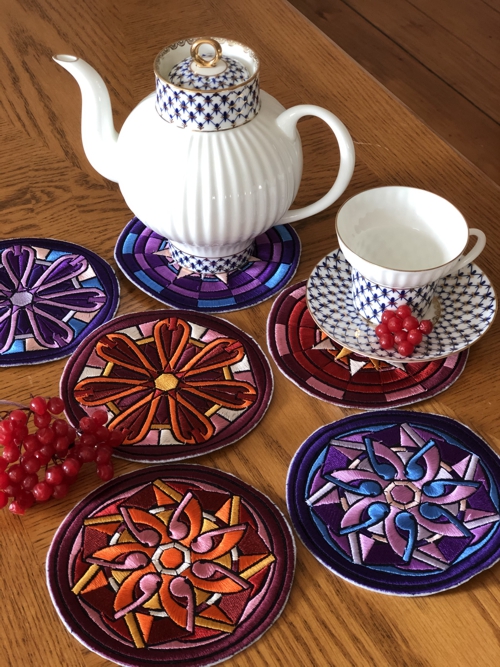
point(463, 309)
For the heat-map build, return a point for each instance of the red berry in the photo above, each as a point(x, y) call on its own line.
point(38, 405)
point(42, 457)
point(16, 508)
point(102, 434)
point(42, 491)
point(71, 467)
point(403, 311)
point(4, 499)
point(400, 337)
point(60, 490)
point(18, 417)
point(395, 324)
point(54, 475)
point(4, 480)
point(103, 454)
point(386, 316)
point(6, 426)
point(6, 438)
point(12, 490)
point(410, 323)
point(30, 463)
point(20, 433)
point(87, 454)
point(60, 426)
point(29, 482)
point(71, 434)
point(381, 329)
point(55, 405)
point(25, 499)
point(88, 440)
point(3, 464)
point(100, 416)
point(105, 471)
point(45, 436)
point(415, 336)
point(16, 473)
point(31, 443)
point(87, 425)
point(41, 421)
point(386, 342)
point(426, 327)
point(11, 453)
point(405, 349)
point(61, 445)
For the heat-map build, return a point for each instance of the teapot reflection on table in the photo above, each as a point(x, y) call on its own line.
point(207, 160)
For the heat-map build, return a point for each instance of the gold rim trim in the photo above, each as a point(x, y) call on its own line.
point(388, 268)
point(221, 41)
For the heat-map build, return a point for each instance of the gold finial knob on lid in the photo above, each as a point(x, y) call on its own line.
point(195, 47)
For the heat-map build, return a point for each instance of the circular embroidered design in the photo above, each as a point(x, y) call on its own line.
point(463, 309)
point(181, 384)
point(400, 502)
point(323, 368)
point(178, 565)
point(52, 295)
point(146, 260)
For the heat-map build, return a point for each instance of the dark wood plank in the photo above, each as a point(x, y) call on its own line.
point(460, 122)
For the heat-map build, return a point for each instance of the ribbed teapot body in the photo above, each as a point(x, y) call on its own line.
point(209, 193)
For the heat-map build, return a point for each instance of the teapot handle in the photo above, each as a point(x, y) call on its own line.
point(287, 121)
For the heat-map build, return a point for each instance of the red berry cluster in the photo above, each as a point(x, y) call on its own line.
point(401, 330)
point(42, 464)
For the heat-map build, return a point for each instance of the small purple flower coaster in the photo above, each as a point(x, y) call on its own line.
point(52, 295)
point(171, 565)
point(144, 257)
point(404, 503)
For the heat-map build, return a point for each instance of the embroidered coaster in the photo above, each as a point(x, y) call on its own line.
point(182, 383)
point(323, 368)
point(178, 565)
point(400, 502)
point(145, 258)
point(52, 295)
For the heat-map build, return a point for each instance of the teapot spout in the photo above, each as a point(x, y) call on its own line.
point(98, 133)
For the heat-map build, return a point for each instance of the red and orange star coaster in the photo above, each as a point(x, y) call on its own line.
point(322, 368)
point(180, 383)
point(178, 565)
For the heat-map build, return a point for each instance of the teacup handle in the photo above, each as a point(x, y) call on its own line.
point(476, 250)
point(287, 121)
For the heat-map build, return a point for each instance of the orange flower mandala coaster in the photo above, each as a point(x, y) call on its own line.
point(178, 565)
point(180, 383)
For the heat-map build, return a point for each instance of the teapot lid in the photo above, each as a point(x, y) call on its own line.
point(208, 71)
point(207, 84)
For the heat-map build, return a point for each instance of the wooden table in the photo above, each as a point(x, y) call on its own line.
point(47, 188)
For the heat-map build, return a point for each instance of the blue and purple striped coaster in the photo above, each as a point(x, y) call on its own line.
point(144, 257)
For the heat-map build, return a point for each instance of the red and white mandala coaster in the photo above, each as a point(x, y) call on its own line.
point(180, 383)
point(323, 368)
point(178, 565)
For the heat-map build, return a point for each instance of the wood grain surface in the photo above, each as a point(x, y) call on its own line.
point(442, 59)
point(47, 188)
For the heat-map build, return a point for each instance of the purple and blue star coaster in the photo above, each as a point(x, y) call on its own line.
point(404, 503)
point(180, 383)
point(148, 262)
point(178, 565)
point(52, 295)
point(324, 369)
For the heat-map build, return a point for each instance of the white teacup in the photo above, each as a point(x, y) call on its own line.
point(400, 241)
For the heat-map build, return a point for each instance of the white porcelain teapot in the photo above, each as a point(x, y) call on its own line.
point(208, 160)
